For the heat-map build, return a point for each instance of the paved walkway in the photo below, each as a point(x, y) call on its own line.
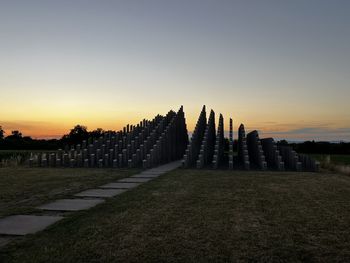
point(19, 225)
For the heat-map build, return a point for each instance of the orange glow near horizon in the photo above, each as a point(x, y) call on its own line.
point(43, 127)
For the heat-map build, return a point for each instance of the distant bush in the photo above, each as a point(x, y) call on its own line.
point(13, 158)
point(320, 147)
point(27, 143)
point(16, 141)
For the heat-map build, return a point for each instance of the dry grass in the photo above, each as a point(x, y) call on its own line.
point(206, 216)
point(336, 163)
point(23, 188)
point(344, 169)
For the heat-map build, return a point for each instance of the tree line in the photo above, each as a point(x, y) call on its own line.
point(16, 141)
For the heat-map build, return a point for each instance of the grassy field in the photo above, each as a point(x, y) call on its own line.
point(337, 159)
point(206, 216)
point(22, 188)
point(16, 158)
point(7, 153)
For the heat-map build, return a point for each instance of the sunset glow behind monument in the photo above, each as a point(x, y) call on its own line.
point(281, 68)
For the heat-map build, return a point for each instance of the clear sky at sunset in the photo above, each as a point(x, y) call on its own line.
point(282, 67)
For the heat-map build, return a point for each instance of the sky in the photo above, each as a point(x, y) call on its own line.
point(281, 67)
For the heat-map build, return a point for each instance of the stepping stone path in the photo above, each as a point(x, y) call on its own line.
point(19, 225)
point(144, 175)
point(100, 193)
point(120, 185)
point(71, 204)
point(135, 180)
point(26, 224)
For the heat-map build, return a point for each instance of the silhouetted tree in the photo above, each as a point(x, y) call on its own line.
point(76, 135)
point(2, 133)
point(15, 135)
point(282, 143)
point(97, 133)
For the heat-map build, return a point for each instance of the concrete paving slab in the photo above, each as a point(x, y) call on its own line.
point(120, 185)
point(71, 204)
point(153, 172)
point(145, 175)
point(101, 192)
point(134, 180)
point(157, 170)
point(26, 224)
point(166, 167)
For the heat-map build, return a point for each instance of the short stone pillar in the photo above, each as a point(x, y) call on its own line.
point(79, 162)
point(52, 160)
point(72, 163)
point(120, 160)
point(106, 160)
point(66, 160)
point(100, 163)
point(92, 160)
